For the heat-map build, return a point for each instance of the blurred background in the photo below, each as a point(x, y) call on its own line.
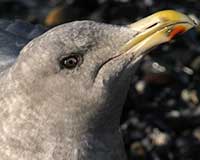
point(161, 117)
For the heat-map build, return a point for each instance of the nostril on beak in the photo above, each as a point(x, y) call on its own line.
point(152, 25)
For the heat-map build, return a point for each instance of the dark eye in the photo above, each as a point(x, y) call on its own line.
point(70, 62)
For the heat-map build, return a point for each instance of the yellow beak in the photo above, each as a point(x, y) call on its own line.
point(155, 29)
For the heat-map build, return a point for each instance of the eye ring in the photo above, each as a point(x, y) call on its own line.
point(70, 62)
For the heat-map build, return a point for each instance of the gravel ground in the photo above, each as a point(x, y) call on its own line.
point(161, 118)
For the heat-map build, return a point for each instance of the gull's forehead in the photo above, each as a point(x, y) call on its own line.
point(85, 34)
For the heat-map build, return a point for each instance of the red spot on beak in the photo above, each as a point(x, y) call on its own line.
point(177, 30)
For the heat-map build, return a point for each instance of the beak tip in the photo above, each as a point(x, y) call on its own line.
point(195, 20)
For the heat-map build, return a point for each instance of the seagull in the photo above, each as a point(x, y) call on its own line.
point(62, 97)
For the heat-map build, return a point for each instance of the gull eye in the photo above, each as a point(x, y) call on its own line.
point(70, 62)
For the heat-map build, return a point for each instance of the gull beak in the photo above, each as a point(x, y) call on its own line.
point(155, 29)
